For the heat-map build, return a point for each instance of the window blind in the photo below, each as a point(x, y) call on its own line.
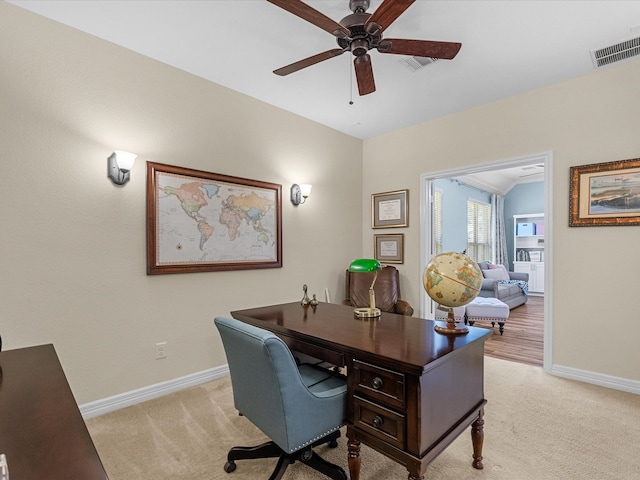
point(478, 231)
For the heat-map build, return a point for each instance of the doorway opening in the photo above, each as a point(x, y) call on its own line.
point(427, 218)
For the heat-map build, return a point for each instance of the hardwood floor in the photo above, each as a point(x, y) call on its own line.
point(522, 340)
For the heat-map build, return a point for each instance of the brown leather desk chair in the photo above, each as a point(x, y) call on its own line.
point(387, 290)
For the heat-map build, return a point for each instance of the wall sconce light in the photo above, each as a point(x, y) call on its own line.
point(120, 164)
point(300, 193)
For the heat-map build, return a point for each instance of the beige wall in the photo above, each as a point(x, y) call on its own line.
point(72, 256)
point(587, 120)
point(72, 245)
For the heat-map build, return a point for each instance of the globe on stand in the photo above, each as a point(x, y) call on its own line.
point(452, 279)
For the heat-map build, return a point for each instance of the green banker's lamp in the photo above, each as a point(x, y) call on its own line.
point(367, 265)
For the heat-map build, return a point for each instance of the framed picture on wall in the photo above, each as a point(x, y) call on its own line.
point(390, 209)
point(389, 248)
point(605, 194)
point(200, 221)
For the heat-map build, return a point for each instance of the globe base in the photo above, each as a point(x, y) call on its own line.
point(454, 329)
point(451, 327)
point(367, 312)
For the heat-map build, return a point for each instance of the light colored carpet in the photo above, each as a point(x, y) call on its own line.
point(537, 427)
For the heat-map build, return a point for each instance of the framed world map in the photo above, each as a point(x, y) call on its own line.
point(199, 221)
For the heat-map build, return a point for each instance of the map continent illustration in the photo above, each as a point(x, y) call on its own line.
point(208, 221)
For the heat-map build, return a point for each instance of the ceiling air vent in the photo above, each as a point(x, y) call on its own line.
point(615, 53)
point(416, 63)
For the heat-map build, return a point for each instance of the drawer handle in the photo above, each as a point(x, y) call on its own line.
point(377, 383)
point(377, 421)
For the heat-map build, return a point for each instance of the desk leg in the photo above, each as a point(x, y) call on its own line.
point(477, 438)
point(354, 456)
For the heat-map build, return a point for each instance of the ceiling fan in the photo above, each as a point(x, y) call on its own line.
point(360, 32)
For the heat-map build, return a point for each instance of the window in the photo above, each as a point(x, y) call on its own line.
point(478, 231)
point(437, 222)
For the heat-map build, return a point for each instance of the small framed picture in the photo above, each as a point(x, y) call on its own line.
point(390, 209)
point(389, 248)
point(605, 194)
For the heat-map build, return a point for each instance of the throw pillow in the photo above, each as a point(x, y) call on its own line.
point(501, 267)
point(496, 273)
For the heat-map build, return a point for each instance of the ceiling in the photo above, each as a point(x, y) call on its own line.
point(504, 179)
point(508, 47)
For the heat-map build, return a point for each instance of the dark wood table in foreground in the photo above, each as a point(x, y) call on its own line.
point(411, 390)
point(42, 432)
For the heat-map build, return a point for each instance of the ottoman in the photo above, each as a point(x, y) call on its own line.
point(490, 309)
point(458, 314)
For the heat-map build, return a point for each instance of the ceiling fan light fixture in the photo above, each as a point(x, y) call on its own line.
point(359, 47)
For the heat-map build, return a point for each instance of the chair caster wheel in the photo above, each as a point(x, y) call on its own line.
point(229, 467)
point(333, 444)
point(306, 454)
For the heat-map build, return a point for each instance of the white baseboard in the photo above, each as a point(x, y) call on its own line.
point(109, 404)
point(616, 383)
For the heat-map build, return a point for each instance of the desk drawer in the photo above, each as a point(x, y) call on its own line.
point(379, 383)
point(379, 421)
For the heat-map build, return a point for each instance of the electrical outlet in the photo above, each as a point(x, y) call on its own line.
point(161, 350)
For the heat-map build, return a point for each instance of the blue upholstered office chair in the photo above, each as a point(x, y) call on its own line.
point(297, 406)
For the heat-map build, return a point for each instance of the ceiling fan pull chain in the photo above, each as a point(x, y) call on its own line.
point(350, 82)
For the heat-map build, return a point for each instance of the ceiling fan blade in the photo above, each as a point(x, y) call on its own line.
point(311, 15)
point(385, 15)
point(307, 62)
point(420, 48)
point(364, 74)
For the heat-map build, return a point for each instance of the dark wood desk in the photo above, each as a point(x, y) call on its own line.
point(42, 432)
point(411, 390)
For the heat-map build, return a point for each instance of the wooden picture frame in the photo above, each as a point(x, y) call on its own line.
point(605, 194)
point(201, 222)
point(389, 248)
point(390, 209)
